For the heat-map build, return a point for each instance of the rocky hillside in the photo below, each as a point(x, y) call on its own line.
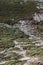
point(21, 37)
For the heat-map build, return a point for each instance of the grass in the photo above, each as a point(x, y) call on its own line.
point(8, 35)
point(13, 56)
point(15, 63)
point(36, 52)
point(34, 63)
point(6, 41)
point(23, 40)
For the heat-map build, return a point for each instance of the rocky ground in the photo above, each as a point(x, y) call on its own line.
point(21, 44)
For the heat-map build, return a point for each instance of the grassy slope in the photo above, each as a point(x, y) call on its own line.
point(7, 35)
point(15, 9)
